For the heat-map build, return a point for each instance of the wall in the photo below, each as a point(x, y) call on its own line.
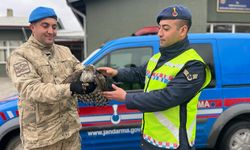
point(110, 19)
point(225, 17)
point(11, 34)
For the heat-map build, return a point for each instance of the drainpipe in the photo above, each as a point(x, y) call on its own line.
point(84, 29)
point(24, 34)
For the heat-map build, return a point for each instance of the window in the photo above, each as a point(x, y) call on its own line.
point(2, 43)
point(242, 29)
point(206, 52)
point(129, 57)
point(229, 28)
point(3, 55)
point(6, 47)
point(223, 28)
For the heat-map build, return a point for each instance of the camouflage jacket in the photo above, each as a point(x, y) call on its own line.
point(48, 112)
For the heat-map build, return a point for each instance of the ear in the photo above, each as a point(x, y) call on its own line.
point(31, 26)
point(183, 31)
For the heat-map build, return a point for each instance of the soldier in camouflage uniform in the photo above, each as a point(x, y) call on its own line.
point(48, 112)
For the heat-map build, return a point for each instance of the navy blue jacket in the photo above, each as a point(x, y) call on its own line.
point(178, 92)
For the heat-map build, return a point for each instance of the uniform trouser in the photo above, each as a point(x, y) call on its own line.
point(72, 143)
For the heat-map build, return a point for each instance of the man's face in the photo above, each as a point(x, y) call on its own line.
point(45, 30)
point(171, 31)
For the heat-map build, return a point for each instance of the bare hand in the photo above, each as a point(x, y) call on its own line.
point(107, 71)
point(118, 94)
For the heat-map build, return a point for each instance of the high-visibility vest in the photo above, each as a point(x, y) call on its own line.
point(162, 128)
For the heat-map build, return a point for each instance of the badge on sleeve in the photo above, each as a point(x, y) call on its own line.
point(21, 68)
point(189, 76)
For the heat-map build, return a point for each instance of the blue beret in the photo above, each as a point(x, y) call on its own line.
point(41, 13)
point(175, 12)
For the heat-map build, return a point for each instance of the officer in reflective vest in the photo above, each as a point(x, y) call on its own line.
point(174, 79)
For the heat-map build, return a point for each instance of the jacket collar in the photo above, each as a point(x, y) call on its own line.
point(176, 48)
point(33, 41)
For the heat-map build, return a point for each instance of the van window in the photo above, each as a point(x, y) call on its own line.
point(206, 52)
point(127, 57)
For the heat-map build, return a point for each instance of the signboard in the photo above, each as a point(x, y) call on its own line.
point(239, 6)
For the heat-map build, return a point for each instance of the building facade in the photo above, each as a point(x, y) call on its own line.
point(108, 19)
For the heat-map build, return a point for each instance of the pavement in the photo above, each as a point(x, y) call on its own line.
point(7, 88)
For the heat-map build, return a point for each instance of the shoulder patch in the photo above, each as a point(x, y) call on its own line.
point(189, 76)
point(21, 68)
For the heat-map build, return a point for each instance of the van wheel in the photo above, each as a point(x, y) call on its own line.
point(14, 144)
point(237, 136)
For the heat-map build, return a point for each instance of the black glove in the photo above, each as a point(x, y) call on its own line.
point(90, 88)
point(76, 87)
point(79, 88)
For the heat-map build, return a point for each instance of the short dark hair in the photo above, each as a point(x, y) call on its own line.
point(182, 23)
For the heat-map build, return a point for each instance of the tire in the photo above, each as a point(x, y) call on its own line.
point(14, 144)
point(236, 137)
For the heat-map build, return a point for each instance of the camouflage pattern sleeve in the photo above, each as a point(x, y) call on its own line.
point(76, 63)
point(29, 84)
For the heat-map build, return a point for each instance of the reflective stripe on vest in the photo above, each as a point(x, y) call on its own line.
point(167, 123)
point(162, 128)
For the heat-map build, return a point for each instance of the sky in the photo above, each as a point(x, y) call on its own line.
point(23, 8)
